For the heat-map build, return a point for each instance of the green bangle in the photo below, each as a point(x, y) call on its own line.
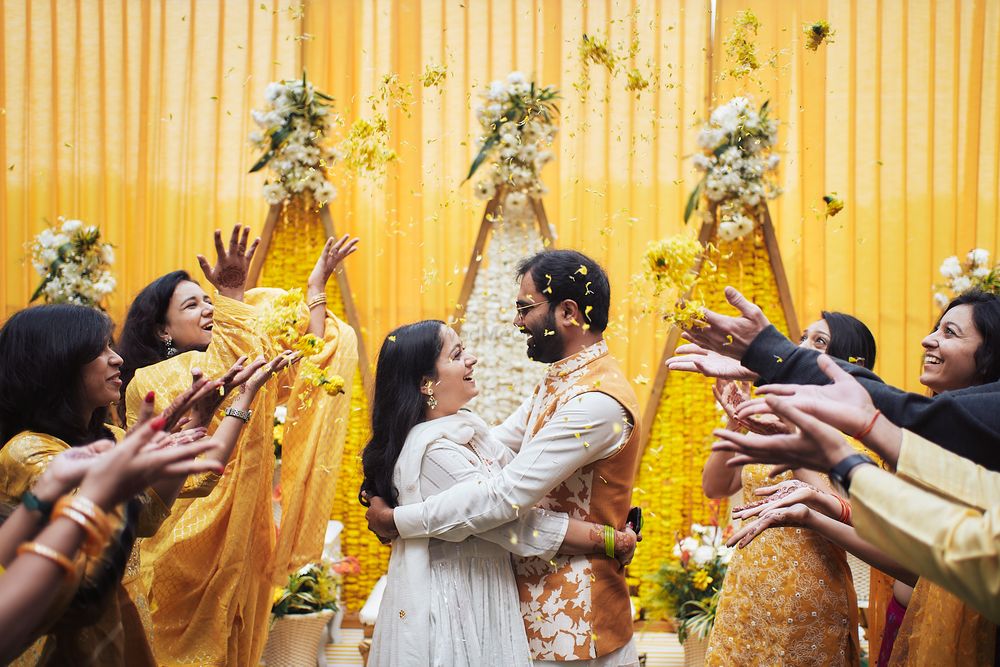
point(33, 503)
point(609, 541)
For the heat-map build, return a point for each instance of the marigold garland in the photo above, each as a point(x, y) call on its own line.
point(296, 241)
point(668, 485)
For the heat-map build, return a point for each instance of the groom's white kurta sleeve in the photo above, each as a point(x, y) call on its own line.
point(589, 427)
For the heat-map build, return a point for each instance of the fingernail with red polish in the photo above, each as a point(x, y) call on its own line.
point(150, 397)
point(158, 423)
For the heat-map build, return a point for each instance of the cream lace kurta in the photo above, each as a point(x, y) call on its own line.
point(455, 603)
point(788, 599)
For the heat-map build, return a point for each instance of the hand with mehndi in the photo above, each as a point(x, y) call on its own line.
point(726, 335)
point(797, 515)
point(788, 493)
point(229, 275)
point(626, 542)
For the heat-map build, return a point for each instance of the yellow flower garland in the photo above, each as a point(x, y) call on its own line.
point(297, 239)
point(668, 485)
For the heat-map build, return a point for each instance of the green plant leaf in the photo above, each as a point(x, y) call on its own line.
point(692, 202)
point(490, 142)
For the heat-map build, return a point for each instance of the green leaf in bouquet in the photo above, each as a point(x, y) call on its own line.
point(490, 142)
point(692, 202)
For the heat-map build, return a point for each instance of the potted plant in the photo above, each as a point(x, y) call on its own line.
point(299, 615)
point(686, 588)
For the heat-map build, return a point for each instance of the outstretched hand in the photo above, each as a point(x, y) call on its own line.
point(147, 454)
point(726, 335)
point(814, 445)
point(696, 359)
point(229, 275)
point(334, 252)
point(797, 515)
point(844, 403)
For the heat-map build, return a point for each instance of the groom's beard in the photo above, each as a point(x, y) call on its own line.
point(546, 349)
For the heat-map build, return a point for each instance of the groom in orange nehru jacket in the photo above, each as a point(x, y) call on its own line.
point(577, 445)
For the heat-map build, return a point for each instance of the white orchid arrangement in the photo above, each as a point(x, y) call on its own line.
point(74, 264)
point(518, 121)
point(976, 272)
point(294, 127)
point(738, 154)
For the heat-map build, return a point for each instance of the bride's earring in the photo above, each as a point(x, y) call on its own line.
point(431, 401)
point(171, 350)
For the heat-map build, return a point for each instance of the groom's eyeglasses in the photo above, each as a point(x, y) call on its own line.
point(522, 308)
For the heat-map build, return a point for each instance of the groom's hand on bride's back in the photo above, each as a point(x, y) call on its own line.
point(380, 521)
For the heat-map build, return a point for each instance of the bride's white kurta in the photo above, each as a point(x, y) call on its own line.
point(455, 603)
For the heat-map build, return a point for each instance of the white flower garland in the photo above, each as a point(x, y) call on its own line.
point(738, 144)
point(505, 375)
point(975, 273)
point(294, 126)
point(74, 264)
point(518, 128)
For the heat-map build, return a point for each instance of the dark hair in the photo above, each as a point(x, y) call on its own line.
point(986, 317)
point(139, 344)
point(568, 274)
point(850, 339)
point(43, 350)
point(408, 355)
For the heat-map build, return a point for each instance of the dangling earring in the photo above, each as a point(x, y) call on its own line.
point(431, 401)
point(171, 350)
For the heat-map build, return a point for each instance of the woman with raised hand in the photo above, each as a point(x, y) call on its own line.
point(205, 581)
point(58, 377)
point(937, 628)
point(40, 557)
point(794, 575)
point(452, 603)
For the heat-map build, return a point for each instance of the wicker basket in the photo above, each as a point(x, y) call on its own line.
point(294, 640)
point(694, 651)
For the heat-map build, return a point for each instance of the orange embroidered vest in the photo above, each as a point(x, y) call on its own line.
point(577, 607)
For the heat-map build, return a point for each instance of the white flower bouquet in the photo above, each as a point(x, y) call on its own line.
point(294, 127)
point(738, 152)
point(518, 121)
point(75, 265)
point(976, 272)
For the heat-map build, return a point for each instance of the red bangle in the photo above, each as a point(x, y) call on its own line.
point(871, 425)
point(845, 510)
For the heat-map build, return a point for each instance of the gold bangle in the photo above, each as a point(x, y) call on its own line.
point(90, 517)
point(316, 300)
point(48, 552)
point(93, 545)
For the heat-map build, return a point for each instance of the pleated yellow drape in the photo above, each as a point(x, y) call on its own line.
point(132, 115)
point(898, 116)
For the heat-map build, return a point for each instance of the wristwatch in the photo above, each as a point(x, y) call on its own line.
point(33, 503)
point(839, 473)
point(243, 415)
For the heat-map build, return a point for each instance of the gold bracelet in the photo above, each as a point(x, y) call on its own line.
point(48, 552)
point(93, 545)
point(316, 300)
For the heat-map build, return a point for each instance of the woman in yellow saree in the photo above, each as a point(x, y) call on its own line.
point(205, 582)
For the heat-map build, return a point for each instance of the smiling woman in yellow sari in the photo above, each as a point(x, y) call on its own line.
point(205, 582)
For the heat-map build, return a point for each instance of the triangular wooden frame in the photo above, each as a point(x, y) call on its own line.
point(784, 297)
point(479, 250)
point(351, 311)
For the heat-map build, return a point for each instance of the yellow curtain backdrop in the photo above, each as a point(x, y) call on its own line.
point(898, 116)
point(132, 115)
point(619, 178)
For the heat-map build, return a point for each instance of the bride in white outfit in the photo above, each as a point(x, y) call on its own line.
point(450, 603)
